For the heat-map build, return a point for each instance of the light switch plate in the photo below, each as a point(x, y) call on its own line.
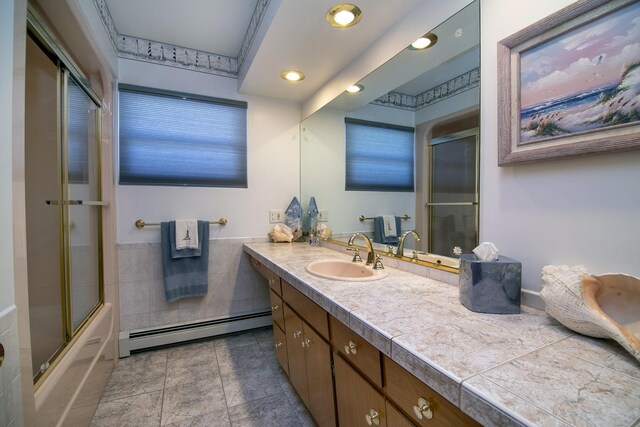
point(276, 216)
point(323, 215)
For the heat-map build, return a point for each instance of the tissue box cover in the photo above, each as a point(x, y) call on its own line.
point(490, 286)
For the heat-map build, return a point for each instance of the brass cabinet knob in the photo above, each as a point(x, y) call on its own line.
point(275, 307)
point(373, 417)
point(351, 348)
point(272, 281)
point(297, 334)
point(306, 343)
point(278, 345)
point(423, 409)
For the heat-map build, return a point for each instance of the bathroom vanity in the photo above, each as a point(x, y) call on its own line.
point(402, 351)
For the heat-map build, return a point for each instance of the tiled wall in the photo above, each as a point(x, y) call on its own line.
point(10, 398)
point(234, 286)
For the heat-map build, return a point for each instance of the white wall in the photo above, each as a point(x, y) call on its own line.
point(273, 163)
point(6, 144)
point(323, 170)
point(575, 211)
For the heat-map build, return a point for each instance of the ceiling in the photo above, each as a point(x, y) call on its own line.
point(293, 34)
point(211, 26)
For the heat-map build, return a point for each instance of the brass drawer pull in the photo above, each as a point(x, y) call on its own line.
point(272, 281)
point(351, 348)
point(275, 307)
point(423, 409)
point(306, 343)
point(278, 345)
point(297, 334)
point(373, 417)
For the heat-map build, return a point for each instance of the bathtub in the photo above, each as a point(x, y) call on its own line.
point(71, 392)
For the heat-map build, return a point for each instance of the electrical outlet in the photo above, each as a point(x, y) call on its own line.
point(323, 215)
point(276, 216)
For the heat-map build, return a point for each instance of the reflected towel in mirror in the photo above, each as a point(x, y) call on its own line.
point(378, 231)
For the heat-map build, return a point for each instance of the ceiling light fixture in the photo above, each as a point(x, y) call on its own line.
point(344, 15)
point(424, 42)
point(355, 88)
point(292, 75)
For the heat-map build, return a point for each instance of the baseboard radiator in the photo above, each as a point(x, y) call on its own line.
point(139, 339)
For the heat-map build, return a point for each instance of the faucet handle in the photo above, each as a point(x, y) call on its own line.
point(378, 264)
point(356, 255)
point(415, 254)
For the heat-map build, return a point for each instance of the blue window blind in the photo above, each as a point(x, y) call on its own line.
point(169, 138)
point(379, 157)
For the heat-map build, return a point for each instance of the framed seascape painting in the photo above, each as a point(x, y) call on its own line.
point(569, 84)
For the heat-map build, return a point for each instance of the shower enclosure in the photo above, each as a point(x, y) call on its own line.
point(63, 200)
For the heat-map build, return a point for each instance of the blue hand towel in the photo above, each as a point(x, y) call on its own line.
point(378, 231)
point(185, 277)
point(183, 253)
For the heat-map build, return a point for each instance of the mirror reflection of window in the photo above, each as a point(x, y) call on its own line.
point(453, 198)
point(379, 156)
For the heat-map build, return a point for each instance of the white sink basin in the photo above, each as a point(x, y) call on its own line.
point(338, 269)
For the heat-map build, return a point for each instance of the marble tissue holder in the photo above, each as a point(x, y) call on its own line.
point(490, 286)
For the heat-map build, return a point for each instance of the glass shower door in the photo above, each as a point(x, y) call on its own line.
point(63, 203)
point(82, 179)
point(453, 201)
point(44, 211)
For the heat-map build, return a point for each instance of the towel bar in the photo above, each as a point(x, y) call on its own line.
point(362, 217)
point(140, 223)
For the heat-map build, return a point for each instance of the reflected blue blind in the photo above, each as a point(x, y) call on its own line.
point(78, 108)
point(379, 157)
point(168, 138)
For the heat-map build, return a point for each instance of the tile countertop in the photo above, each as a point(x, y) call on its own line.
point(517, 369)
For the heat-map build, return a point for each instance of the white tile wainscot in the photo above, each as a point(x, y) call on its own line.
point(502, 370)
point(234, 287)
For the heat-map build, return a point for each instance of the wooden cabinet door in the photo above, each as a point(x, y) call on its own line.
point(280, 344)
point(319, 378)
point(295, 354)
point(356, 398)
point(395, 418)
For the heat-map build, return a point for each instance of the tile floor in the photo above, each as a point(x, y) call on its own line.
point(228, 381)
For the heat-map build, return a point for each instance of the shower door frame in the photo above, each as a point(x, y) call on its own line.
point(66, 70)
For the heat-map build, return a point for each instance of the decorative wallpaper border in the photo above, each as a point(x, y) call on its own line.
point(252, 30)
point(141, 49)
point(450, 88)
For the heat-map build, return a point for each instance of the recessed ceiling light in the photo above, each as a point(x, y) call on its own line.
point(292, 75)
point(344, 15)
point(355, 88)
point(426, 41)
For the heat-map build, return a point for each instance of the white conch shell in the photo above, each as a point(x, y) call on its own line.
point(606, 306)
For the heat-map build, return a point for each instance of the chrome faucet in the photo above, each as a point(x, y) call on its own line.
point(371, 258)
point(400, 250)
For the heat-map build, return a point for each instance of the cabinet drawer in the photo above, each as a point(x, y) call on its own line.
point(356, 350)
point(312, 313)
point(409, 393)
point(273, 278)
point(280, 345)
point(277, 309)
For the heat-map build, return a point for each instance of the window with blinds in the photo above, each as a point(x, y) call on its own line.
point(379, 157)
point(169, 138)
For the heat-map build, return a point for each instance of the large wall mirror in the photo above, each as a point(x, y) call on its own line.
point(405, 146)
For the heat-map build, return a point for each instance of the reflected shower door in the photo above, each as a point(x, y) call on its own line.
point(453, 201)
point(42, 185)
point(82, 198)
